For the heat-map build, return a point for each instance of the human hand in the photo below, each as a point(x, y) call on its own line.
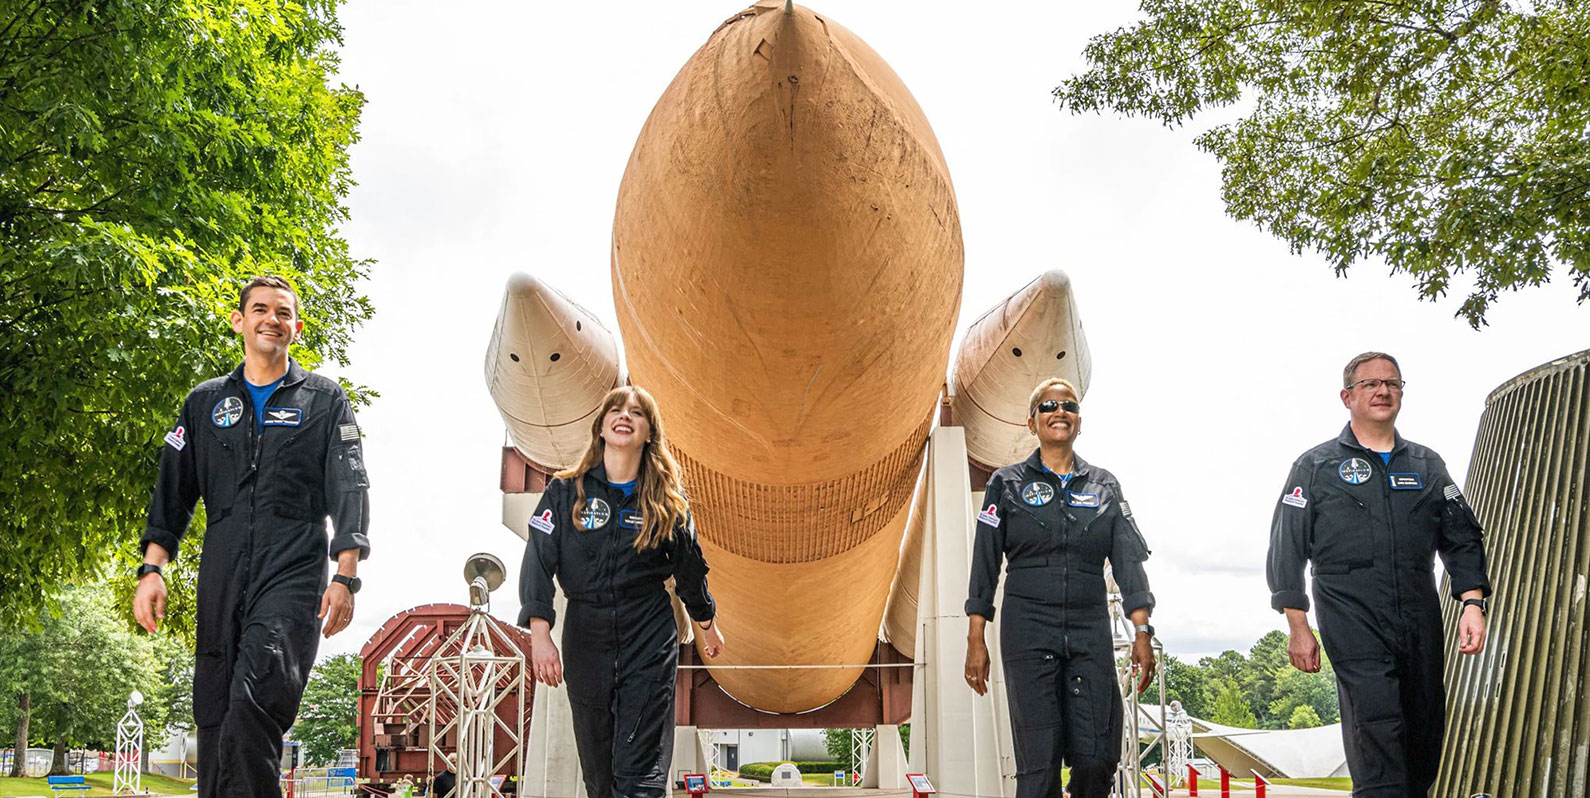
point(149, 602)
point(336, 607)
point(1143, 660)
point(1302, 650)
point(978, 667)
point(545, 662)
point(711, 639)
point(1471, 630)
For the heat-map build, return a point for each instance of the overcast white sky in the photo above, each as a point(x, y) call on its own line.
point(494, 139)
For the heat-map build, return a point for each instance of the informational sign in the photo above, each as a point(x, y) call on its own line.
point(920, 785)
point(696, 783)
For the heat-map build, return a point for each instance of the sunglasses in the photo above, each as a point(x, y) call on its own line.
point(1051, 405)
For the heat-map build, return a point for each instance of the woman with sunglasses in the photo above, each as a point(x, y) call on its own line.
point(613, 529)
point(1055, 519)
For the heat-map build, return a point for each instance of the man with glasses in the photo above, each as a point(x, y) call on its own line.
point(1371, 510)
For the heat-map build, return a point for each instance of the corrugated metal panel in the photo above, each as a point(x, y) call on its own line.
point(1518, 715)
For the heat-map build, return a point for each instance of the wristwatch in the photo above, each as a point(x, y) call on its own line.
point(352, 583)
point(1478, 602)
point(150, 568)
point(1145, 629)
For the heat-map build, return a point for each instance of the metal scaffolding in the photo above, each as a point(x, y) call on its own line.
point(1519, 713)
point(474, 672)
point(128, 778)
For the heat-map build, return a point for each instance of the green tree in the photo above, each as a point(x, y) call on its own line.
point(1231, 707)
point(77, 669)
point(328, 718)
point(1266, 659)
point(152, 156)
point(1317, 691)
point(1303, 717)
point(1442, 136)
point(1187, 684)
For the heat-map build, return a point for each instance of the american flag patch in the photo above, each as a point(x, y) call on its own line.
point(1452, 493)
point(349, 432)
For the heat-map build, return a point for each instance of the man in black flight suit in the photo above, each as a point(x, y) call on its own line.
point(273, 450)
point(1371, 510)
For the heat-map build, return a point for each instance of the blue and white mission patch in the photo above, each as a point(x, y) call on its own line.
point(227, 412)
point(1355, 471)
point(1037, 493)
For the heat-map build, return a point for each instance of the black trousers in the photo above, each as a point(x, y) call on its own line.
point(619, 660)
point(1393, 715)
point(1065, 706)
point(258, 636)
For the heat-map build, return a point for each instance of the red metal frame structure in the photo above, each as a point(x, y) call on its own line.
point(393, 715)
point(881, 696)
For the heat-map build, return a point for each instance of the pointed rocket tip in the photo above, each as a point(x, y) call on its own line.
point(1053, 280)
point(520, 284)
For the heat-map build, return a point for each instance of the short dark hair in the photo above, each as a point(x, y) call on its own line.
point(1352, 365)
point(267, 281)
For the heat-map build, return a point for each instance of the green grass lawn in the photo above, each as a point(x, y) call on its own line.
point(100, 783)
point(1344, 784)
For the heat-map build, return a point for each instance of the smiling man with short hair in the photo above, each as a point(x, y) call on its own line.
point(273, 450)
point(1371, 510)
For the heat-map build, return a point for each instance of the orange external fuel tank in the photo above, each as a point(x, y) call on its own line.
point(787, 273)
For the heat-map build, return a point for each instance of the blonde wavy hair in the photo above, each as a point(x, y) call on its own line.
point(662, 495)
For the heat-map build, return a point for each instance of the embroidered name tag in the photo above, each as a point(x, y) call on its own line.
point(629, 519)
point(1406, 482)
point(283, 416)
point(1075, 499)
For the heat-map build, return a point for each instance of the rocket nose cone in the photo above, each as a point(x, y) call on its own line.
point(1051, 286)
point(521, 285)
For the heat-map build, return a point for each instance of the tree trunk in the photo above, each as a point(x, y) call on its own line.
point(20, 760)
point(58, 764)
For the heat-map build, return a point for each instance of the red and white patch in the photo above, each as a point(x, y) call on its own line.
point(1295, 498)
point(543, 522)
point(989, 515)
point(177, 438)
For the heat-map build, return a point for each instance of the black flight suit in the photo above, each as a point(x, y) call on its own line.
point(1372, 531)
point(620, 646)
point(267, 491)
point(1055, 641)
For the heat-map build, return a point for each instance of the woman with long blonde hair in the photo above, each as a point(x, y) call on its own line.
point(613, 529)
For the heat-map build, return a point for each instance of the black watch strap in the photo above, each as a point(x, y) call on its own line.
point(150, 568)
point(1478, 602)
point(352, 583)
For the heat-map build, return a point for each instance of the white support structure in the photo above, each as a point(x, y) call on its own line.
point(861, 752)
point(476, 670)
point(128, 778)
point(1179, 733)
point(960, 739)
point(885, 767)
point(551, 762)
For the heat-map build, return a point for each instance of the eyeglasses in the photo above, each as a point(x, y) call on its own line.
point(1051, 405)
point(1374, 384)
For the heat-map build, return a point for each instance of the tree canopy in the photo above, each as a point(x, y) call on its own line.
point(153, 156)
point(328, 718)
point(1447, 138)
point(77, 669)
point(1259, 690)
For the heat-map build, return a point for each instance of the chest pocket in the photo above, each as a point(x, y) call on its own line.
point(219, 469)
point(1029, 531)
point(1343, 525)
